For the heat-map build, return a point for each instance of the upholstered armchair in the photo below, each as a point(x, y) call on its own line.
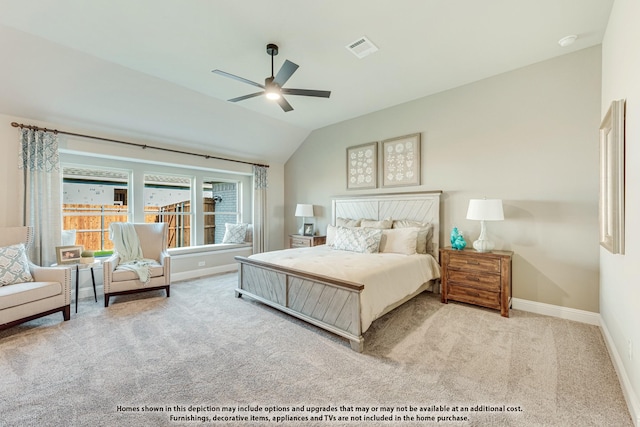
point(28, 291)
point(153, 242)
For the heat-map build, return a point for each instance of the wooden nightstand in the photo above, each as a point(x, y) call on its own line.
point(480, 278)
point(300, 241)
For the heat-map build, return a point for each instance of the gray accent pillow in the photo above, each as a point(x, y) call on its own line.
point(14, 265)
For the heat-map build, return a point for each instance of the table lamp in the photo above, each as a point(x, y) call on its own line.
point(484, 210)
point(304, 211)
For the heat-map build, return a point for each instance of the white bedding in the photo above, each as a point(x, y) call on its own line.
point(387, 277)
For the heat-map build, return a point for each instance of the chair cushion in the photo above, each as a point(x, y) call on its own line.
point(124, 275)
point(14, 265)
point(23, 293)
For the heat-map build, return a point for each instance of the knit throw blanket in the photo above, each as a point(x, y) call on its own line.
point(126, 244)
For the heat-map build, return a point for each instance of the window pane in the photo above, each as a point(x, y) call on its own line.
point(92, 199)
point(220, 207)
point(167, 198)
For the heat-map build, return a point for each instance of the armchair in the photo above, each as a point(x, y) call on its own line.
point(153, 242)
point(48, 293)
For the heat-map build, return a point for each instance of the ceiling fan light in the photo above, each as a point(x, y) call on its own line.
point(273, 95)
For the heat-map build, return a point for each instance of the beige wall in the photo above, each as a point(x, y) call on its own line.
point(620, 274)
point(529, 137)
point(10, 191)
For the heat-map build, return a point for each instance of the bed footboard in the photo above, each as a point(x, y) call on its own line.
point(330, 304)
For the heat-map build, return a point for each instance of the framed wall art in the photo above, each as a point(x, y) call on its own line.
point(401, 161)
point(362, 166)
point(612, 151)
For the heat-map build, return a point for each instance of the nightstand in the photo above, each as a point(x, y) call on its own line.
point(300, 241)
point(480, 278)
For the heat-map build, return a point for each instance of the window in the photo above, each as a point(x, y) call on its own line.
point(220, 206)
point(167, 198)
point(91, 200)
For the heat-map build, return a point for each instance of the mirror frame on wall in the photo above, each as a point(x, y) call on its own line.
point(612, 183)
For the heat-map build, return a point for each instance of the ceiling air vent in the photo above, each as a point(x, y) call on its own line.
point(362, 47)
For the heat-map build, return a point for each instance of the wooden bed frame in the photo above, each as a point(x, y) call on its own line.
point(329, 303)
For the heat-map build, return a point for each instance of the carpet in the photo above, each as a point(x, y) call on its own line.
point(206, 357)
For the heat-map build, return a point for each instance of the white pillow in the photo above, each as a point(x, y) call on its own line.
point(14, 265)
point(234, 233)
point(331, 235)
point(372, 223)
point(363, 240)
point(347, 222)
point(399, 241)
point(424, 234)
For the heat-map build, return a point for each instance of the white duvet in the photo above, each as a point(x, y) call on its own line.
point(387, 277)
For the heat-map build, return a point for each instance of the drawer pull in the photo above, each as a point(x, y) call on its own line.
point(473, 262)
point(473, 278)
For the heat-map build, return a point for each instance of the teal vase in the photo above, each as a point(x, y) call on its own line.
point(457, 239)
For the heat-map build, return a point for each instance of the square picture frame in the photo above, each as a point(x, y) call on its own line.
point(362, 166)
point(68, 254)
point(308, 230)
point(612, 185)
point(401, 161)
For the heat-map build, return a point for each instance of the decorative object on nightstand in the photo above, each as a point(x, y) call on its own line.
point(457, 239)
point(300, 241)
point(484, 210)
point(304, 211)
point(480, 278)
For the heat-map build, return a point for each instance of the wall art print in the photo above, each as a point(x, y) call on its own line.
point(401, 161)
point(362, 166)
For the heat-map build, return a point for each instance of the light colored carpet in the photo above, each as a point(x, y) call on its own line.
point(204, 347)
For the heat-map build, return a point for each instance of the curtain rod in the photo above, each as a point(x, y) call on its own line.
point(143, 146)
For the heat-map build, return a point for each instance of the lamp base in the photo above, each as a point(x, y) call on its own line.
point(483, 245)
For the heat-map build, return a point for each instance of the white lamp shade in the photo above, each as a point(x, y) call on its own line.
point(304, 210)
point(485, 210)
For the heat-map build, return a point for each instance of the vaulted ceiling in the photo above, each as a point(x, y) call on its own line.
point(142, 69)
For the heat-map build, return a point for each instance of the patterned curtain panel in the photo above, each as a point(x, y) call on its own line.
point(259, 209)
point(41, 165)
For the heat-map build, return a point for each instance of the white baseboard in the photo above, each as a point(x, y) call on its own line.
point(188, 275)
point(632, 399)
point(556, 311)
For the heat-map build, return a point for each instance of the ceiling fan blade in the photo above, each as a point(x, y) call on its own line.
point(307, 92)
point(251, 95)
point(284, 104)
point(240, 79)
point(285, 72)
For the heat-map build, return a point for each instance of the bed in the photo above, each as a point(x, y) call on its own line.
point(344, 291)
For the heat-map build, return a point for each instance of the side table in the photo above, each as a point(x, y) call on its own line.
point(93, 279)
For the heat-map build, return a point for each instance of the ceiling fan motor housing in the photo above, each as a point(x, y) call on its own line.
point(272, 49)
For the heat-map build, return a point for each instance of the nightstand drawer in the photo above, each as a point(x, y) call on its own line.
point(297, 242)
point(466, 261)
point(474, 296)
point(488, 282)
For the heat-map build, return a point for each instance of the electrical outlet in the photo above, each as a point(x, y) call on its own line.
point(201, 264)
point(630, 344)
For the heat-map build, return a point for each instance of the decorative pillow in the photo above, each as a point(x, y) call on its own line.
point(399, 241)
point(424, 235)
point(331, 235)
point(382, 224)
point(14, 265)
point(347, 222)
point(235, 233)
point(363, 240)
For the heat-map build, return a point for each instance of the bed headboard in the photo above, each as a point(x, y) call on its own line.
point(423, 207)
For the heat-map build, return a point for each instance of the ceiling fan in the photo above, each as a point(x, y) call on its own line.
point(273, 85)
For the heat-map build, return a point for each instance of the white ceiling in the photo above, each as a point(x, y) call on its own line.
point(142, 68)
